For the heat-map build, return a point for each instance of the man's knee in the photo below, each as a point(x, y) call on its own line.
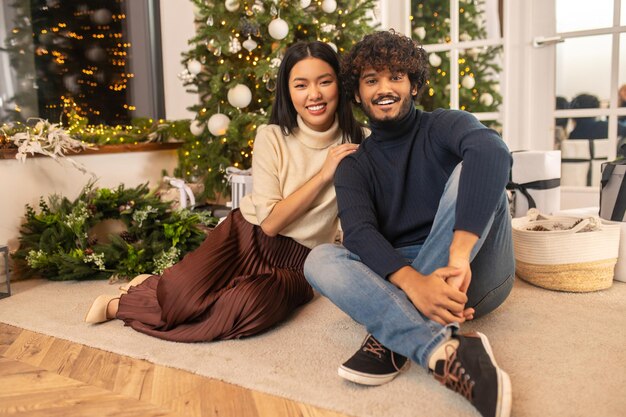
point(324, 268)
point(315, 261)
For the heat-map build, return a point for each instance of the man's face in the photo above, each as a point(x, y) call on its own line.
point(385, 95)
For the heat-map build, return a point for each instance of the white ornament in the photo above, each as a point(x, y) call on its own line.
point(434, 59)
point(305, 3)
point(496, 88)
point(231, 5)
point(468, 82)
point(327, 27)
point(258, 7)
point(218, 124)
point(275, 62)
point(420, 32)
point(101, 16)
point(329, 6)
point(186, 77)
point(194, 67)
point(278, 28)
point(332, 45)
point(196, 128)
point(249, 44)
point(464, 37)
point(486, 99)
point(473, 53)
point(234, 45)
point(239, 96)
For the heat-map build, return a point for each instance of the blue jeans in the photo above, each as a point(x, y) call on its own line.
point(386, 311)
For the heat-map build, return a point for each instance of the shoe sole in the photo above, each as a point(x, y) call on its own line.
point(368, 379)
point(503, 408)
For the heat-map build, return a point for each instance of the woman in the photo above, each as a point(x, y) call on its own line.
point(248, 274)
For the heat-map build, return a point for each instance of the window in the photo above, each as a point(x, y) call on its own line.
point(464, 42)
point(60, 56)
point(581, 51)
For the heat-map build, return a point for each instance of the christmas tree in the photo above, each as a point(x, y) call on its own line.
point(478, 67)
point(80, 60)
point(233, 65)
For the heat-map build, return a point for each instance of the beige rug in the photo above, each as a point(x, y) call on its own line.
point(565, 353)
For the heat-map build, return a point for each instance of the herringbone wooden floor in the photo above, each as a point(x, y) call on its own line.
point(44, 376)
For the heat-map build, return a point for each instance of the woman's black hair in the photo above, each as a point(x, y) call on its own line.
point(283, 111)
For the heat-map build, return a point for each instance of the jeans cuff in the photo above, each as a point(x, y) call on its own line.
point(441, 336)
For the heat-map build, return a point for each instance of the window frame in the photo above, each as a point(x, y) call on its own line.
point(396, 14)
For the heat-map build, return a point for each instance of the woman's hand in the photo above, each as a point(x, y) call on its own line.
point(335, 155)
point(293, 206)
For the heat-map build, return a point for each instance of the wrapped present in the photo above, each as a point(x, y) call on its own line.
point(240, 185)
point(535, 182)
point(179, 192)
point(581, 161)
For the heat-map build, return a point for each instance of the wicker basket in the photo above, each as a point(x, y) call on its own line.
point(565, 260)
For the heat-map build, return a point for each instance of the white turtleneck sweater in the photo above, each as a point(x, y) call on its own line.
point(280, 166)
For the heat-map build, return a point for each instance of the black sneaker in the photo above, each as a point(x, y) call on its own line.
point(472, 371)
point(372, 364)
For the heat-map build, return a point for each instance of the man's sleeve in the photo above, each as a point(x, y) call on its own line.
point(357, 212)
point(486, 166)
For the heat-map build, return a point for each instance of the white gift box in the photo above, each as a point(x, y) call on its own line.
point(240, 185)
point(620, 267)
point(581, 161)
point(537, 173)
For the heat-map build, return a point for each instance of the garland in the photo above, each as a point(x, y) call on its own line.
point(140, 130)
point(59, 243)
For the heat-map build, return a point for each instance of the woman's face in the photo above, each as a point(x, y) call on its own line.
point(314, 92)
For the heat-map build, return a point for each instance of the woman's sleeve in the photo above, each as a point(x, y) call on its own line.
point(266, 163)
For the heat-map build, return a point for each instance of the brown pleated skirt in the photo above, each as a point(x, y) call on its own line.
point(237, 283)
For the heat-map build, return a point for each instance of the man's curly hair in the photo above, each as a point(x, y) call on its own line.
point(385, 50)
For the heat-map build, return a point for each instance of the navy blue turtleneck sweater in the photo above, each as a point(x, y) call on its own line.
point(388, 191)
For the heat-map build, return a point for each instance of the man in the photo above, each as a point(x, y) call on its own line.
point(427, 233)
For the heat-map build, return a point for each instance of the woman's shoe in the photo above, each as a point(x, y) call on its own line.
point(134, 282)
point(98, 311)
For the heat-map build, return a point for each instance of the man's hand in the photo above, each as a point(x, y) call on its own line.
point(460, 251)
point(432, 295)
point(460, 279)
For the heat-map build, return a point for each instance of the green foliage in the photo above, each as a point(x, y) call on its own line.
point(431, 19)
point(59, 243)
point(219, 49)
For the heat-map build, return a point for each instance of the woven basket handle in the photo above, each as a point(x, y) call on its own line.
point(581, 225)
point(534, 214)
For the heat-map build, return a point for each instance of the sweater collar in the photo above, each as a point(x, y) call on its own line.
point(396, 129)
point(314, 139)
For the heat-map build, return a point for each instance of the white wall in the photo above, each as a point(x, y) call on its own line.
point(25, 183)
point(177, 28)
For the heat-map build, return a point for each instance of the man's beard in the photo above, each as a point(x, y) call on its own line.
point(406, 104)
